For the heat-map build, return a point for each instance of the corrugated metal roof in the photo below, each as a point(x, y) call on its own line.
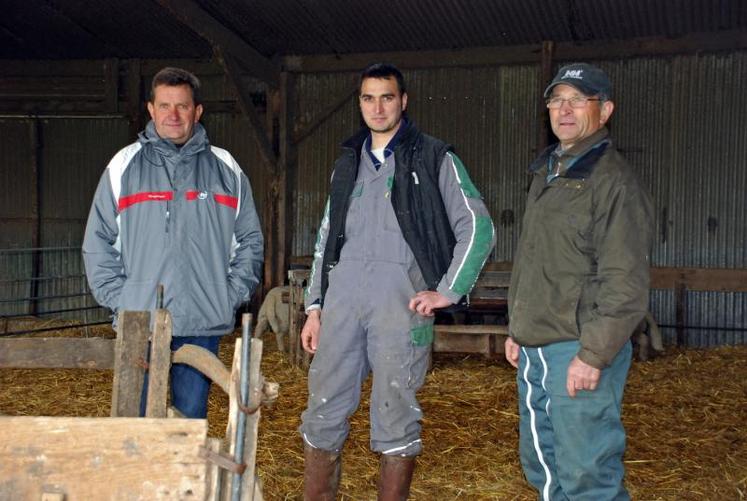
point(55, 29)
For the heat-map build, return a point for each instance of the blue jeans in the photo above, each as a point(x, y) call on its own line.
point(571, 448)
point(189, 387)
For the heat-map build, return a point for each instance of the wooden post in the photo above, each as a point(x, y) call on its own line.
point(159, 366)
point(680, 297)
point(111, 86)
point(37, 148)
point(129, 362)
point(286, 177)
point(548, 48)
point(134, 97)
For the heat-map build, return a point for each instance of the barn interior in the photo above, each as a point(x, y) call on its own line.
point(279, 82)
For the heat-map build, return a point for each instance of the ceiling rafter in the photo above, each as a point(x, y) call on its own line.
point(218, 35)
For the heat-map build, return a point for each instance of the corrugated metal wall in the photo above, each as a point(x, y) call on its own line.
point(679, 120)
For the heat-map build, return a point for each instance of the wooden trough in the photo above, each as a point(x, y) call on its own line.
point(161, 456)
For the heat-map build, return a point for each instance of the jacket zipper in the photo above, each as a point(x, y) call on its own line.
point(168, 214)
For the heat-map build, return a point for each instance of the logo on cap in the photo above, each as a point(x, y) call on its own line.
point(573, 74)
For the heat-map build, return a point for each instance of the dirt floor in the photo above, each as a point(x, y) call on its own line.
point(685, 413)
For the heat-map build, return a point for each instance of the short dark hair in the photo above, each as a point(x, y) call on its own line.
point(385, 71)
point(174, 77)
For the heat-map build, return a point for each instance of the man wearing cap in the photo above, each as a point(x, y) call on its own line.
point(579, 287)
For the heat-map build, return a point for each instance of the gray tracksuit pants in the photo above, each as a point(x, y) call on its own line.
point(367, 327)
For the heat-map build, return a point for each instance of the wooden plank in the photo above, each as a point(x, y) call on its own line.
point(49, 68)
point(102, 458)
point(485, 339)
point(213, 471)
point(248, 480)
point(233, 418)
point(700, 279)
point(520, 54)
point(52, 496)
point(56, 353)
point(471, 330)
point(201, 22)
point(159, 366)
point(494, 279)
point(130, 351)
point(461, 343)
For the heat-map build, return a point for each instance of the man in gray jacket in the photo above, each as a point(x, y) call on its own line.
point(579, 287)
point(171, 209)
point(405, 232)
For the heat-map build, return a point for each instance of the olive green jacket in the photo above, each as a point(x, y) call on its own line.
point(581, 270)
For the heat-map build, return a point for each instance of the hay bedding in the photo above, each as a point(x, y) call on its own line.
point(685, 414)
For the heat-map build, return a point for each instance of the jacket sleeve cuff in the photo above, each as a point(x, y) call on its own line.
point(449, 294)
point(591, 358)
point(313, 305)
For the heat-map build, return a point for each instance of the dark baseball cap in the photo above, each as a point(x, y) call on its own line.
point(589, 79)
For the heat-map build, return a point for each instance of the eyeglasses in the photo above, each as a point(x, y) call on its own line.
point(556, 102)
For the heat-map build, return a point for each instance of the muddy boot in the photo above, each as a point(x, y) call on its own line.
point(321, 474)
point(395, 475)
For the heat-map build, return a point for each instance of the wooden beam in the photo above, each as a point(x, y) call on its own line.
point(286, 177)
point(36, 196)
point(247, 107)
point(134, 106)
point(133, 329)
point(206, 26)
point(325, 114)
point(496, 56)
point(545, 76)
point(102, 458)
point(159, 366)
point(700, 279)
point(111, 86)
point(56, 353)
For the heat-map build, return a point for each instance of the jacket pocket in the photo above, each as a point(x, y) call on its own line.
point(137, 295)
point(212, 309)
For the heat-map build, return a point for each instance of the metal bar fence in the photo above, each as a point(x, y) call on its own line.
point(59, 287)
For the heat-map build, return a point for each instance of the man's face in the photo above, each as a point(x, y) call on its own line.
point(571, 125)
point(174, 112)
point(382, 105)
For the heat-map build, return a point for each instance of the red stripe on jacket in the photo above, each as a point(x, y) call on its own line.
point(228, 200)
point(145, 196)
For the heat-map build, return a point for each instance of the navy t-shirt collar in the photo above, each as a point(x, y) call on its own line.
point(389, 148)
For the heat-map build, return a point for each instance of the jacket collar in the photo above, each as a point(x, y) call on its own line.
point(574, 153)
point(402, 137)
point(198, 142)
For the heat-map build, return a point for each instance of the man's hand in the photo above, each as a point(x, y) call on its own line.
point(310, 331)
point(581, 376)
point(425, 302)
point(512, 351)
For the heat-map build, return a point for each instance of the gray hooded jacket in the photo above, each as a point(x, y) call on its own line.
point(183, 217)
